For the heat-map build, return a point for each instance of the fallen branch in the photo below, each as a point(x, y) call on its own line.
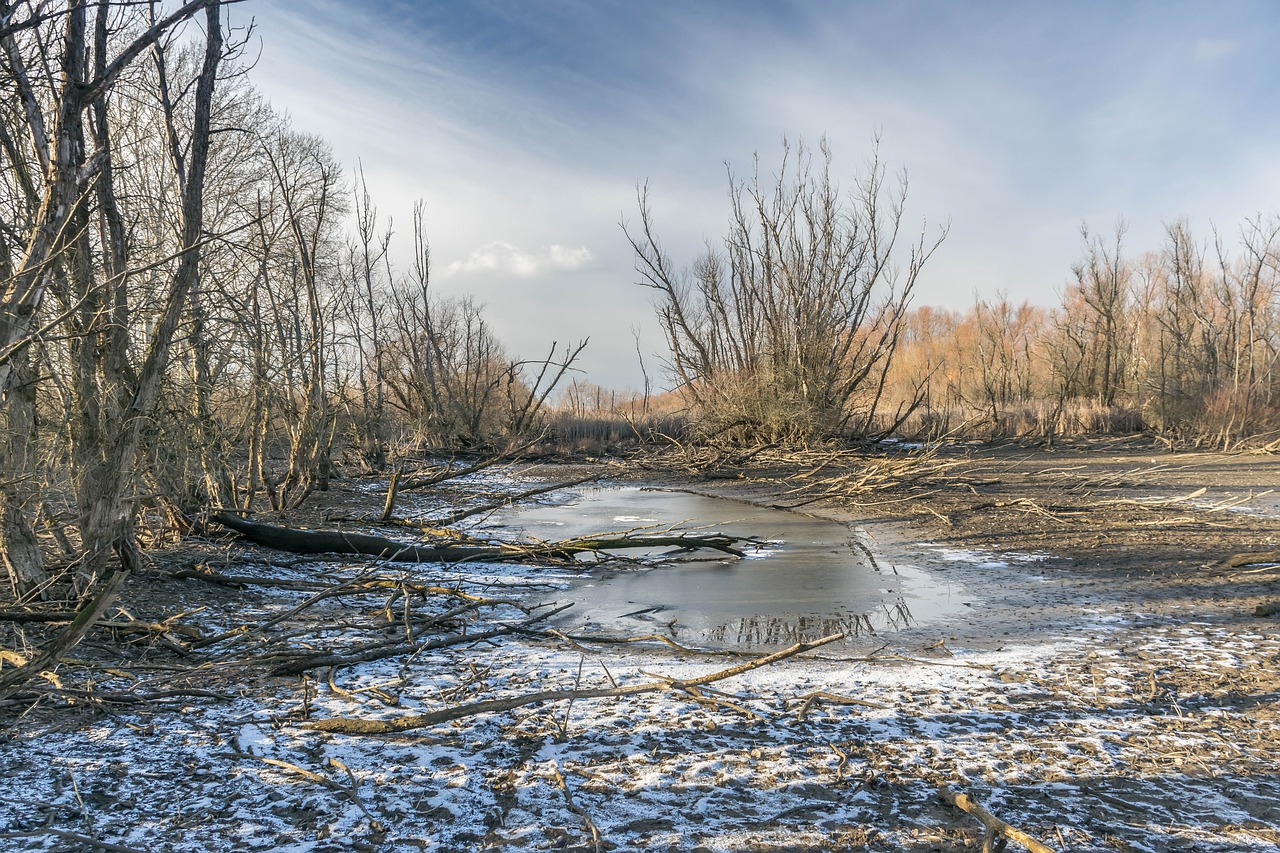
point(122, 698)
point(454, 518)
point(994, 825)
point(37, 615)
point(380, 651)
point(84, 841)
point(88, 616)
point(366, 585)
point(1251, 558)
point(352, 793)
point(347, 725)
point(819, 696)
point(454, 473)
point(342, 542)
point(590, 825)
point(245, 630)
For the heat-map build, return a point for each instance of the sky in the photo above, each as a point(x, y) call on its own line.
point(526, 126)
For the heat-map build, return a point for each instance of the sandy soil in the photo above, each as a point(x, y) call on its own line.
point(1107, 688)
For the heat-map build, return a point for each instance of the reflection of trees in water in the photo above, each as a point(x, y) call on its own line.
point(786, 630)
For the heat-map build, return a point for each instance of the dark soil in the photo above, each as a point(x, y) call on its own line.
point(1107, 688)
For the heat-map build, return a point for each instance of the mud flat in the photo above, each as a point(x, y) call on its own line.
point(1101, 685)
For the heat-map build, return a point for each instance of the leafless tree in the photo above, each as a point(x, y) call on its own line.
point(786, 331)
point(63, 62)
point(449, 375)
point(1102, 288)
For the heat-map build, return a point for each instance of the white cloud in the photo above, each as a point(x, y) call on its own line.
point(505, 258)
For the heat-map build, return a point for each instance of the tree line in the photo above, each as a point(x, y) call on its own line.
point(1181, 340)
point(800, 326)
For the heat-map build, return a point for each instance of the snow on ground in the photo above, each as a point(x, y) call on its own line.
point(1116, 729)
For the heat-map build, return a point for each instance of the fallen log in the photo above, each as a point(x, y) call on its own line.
point(88, 616)
point(344, 542)
point(356, 726)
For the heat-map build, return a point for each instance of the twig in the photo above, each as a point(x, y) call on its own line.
point(587, 822)
point(345, 725)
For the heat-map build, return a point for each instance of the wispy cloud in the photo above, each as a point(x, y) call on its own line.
point(534, 121)
point(499, 257)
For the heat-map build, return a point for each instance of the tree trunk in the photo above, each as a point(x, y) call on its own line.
point(19, 548)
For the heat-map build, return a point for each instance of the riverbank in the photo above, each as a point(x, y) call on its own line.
point(1105, 688)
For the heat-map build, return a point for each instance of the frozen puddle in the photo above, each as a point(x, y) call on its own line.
point(812, 578)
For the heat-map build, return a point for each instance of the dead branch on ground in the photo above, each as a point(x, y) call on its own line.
point(597, 842)
point(85, 619)
point(509, 500)
point(451, 473)
point(378, 651)
point(354, 726)
point(341, 542)
point(996, 828)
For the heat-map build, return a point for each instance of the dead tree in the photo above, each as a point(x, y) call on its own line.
point(787, 330)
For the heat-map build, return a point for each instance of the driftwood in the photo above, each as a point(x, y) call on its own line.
point(996, 828)
point(351, 726)
point(88, 616)
point(343, 542)
point(509, 500)
point(379, 651)
point(1251, 558)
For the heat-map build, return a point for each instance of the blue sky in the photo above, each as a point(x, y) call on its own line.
point(526, 125)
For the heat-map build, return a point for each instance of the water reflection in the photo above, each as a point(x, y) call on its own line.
point(815, 579)
point(759, 631)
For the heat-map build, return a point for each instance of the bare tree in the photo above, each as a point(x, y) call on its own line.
point(448, 373)
point(52, 43)
point(366, 274)
point(787, 330)
point(1102, 286)
point(63, 63)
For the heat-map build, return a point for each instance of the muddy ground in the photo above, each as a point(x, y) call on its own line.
point(1106, 687)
